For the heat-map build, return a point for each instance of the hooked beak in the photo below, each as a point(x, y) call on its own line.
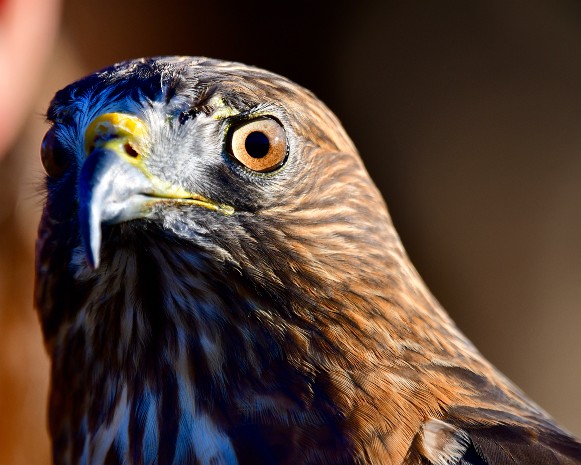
point(114, 184)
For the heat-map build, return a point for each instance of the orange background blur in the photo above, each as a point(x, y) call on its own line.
point(467, 115)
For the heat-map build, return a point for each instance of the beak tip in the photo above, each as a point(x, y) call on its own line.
point(94, 256)
point(93, 260)
point(91, 235)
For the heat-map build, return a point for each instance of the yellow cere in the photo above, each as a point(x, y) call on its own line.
point(116, 131)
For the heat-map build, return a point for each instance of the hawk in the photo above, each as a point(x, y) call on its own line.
point(219, 283)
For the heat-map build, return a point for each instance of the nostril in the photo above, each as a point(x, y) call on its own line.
point(130, 150)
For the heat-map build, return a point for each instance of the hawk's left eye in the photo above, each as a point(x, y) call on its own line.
point(259, 144)
point(53, 156)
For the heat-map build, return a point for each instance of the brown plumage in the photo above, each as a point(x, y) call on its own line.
point(244, 311)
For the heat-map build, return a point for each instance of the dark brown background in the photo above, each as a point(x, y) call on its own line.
point(467, 115)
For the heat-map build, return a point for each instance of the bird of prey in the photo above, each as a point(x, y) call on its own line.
point(219, 283)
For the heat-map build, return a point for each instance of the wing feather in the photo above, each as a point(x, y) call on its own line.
point(519, 445)
point(494, 438)
point(502, 439)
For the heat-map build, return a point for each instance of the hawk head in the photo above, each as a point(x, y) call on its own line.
point(206, 224)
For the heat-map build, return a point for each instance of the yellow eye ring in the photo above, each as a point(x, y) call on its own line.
point(260, 144)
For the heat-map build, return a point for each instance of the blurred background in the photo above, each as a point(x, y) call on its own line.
point(467, 115)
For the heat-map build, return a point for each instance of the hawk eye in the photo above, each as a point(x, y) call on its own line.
point(260, 144)
point(53, 156)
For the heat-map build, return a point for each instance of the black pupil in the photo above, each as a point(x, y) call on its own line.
point(257, 144)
